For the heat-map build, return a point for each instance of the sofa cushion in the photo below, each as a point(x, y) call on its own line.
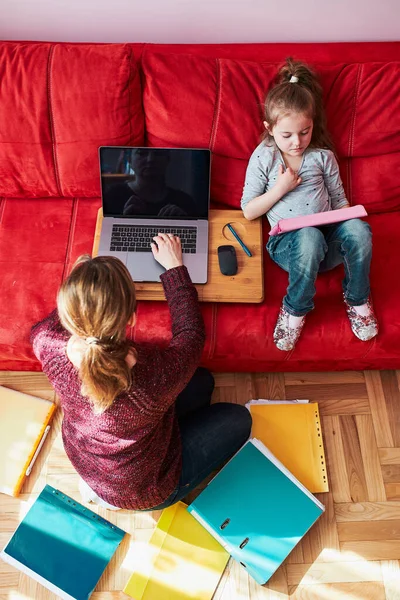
point(58, 104)
point(217, 103)
point(239, 336)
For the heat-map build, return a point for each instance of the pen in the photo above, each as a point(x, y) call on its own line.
point(34, 457)
point(245, 248)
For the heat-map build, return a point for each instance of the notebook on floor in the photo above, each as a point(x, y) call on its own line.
point(322, 218)
point(24, 425)
point(292, 432)
point(256, 509)
point(182, 561)
point(150, 190)
point(63, 545)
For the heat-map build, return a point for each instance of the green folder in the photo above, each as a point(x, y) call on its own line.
point(256, 509)
point(63, 545)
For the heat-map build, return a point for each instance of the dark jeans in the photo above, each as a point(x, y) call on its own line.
point(210, 434)
point(306, 252)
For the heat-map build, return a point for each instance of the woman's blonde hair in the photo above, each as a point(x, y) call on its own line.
point(95, 303)
point(301, 95)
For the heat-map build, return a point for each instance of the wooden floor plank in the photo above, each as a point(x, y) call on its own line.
point(245, 388)
point(371, 550)
point(312, 574)
point(392, 491)
point(373, 530)
point(333, 399)
point(389, 456)
point(335, 457)
point(379, 411)
point(367, 511)
point(353, 457)
point(270, 386)
point(325, 378)
point(391, 473)
point(340, 591)
point(370, 458)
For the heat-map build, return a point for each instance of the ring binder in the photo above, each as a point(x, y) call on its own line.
point(270, 528)
point(63, 545)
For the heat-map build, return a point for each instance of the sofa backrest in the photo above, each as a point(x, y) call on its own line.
point(217, 102)
point(60, 102)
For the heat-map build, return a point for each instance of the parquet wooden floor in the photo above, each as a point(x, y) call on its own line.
point(353, 551)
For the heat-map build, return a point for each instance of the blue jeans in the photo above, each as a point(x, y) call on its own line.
point(210, 434)
point(306, 252)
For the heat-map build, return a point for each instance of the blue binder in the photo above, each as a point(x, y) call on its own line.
point(63, 545)
point(256, 509)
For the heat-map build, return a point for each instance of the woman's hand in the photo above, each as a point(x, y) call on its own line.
point(287, 180)
point(167, 250)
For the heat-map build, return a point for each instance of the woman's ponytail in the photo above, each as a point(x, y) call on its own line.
point(104, 373)
point(95, 303)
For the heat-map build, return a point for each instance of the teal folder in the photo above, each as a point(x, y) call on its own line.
point(63, 545)
point(256, 509)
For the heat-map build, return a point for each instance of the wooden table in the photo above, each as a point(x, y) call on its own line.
point(248, 283)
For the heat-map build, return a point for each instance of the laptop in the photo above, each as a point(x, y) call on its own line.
point(150, 190)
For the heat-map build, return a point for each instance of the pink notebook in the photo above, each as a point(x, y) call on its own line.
point(321, 218)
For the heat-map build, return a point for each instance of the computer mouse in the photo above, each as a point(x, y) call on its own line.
point(227, 260)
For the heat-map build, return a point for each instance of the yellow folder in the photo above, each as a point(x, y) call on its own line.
point(24, 424)
point(292, 431)
point(182, 561)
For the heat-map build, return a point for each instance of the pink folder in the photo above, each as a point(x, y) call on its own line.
point(321, 218)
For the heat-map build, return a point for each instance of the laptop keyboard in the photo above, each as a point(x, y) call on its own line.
point(137, 238)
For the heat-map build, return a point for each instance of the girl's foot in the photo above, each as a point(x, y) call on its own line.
point(363, 321)
point(287, 330)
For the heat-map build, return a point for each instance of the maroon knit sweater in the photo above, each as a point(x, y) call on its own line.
point(130, 455)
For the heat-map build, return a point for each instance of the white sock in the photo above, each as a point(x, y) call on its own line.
point(295, 321)
point(363, 310)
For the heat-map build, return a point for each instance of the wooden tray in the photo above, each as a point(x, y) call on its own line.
point(246, 286)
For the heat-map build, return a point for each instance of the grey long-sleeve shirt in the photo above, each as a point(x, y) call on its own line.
point(320, 190)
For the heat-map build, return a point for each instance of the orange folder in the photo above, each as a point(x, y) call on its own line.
point(292, 432)
point(24, 424)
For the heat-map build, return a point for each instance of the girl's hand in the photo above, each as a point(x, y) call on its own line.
point(167, 250)
point(287, 180)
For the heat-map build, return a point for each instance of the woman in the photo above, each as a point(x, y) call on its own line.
point(138, 426)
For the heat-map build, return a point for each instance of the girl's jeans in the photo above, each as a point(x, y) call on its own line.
point(210, 434)
point(306, 252)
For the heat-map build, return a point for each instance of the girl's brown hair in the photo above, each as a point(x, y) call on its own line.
point(95, 303)
point(303, 96)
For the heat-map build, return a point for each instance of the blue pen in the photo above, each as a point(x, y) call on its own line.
point(245, 248)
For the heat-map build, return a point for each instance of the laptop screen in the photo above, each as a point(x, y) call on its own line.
point(155, 182)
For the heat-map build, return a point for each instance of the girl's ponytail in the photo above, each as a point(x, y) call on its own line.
point(298, 89)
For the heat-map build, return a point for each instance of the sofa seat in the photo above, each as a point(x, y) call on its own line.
point(60, 102)
point(239, 336)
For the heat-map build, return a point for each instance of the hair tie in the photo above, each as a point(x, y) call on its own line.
point(293, 79)
point(92, 340)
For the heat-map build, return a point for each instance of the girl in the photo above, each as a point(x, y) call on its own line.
point(294, 172)
point(138, 426)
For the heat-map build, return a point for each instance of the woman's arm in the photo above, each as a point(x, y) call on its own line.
point(42, 334)
point(169, 370)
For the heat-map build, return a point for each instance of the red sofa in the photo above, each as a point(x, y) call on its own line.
point(59, 102)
